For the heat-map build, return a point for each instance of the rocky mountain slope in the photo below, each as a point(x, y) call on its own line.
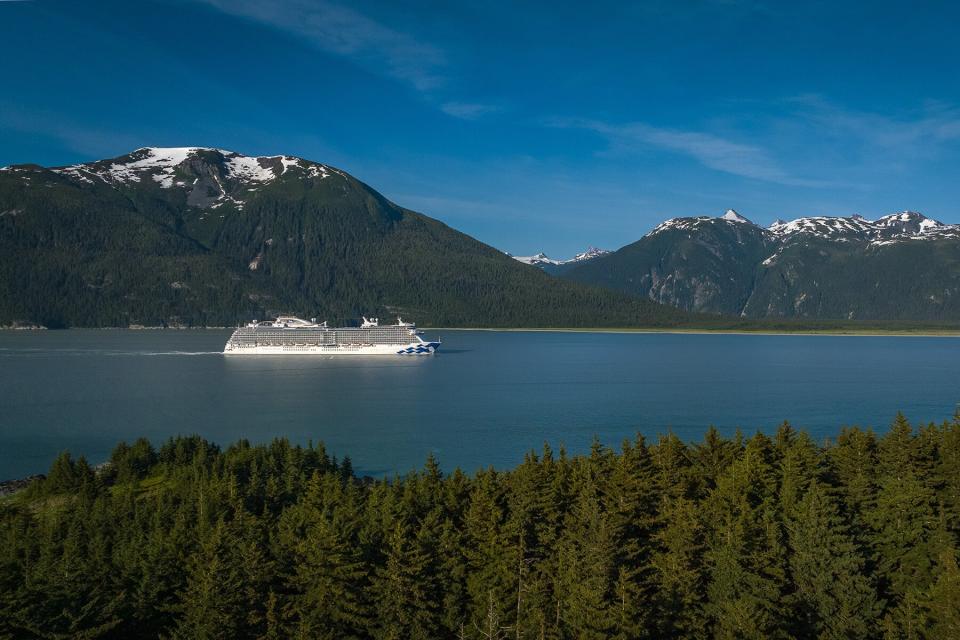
point(903, 266)
point(200, 236)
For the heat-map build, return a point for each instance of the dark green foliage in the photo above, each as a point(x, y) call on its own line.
point(833, 596)
point(728, 538)
point(66, 475)
point(131, 462)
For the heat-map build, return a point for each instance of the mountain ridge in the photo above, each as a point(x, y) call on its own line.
point(556, 267)
point(905, 225)
point(202, 236)
point(901, 266)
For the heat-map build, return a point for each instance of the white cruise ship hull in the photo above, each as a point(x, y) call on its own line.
point(290, 336)
point(411, 349)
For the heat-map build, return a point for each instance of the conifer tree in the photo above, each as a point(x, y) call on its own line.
point(943, 601)
point(798, 467)
point(832, 598)
point(852, 465)
point(491, 558)
point(903, 523)
point(586, 573)
point(897, 450)
point(671, 458)
point(711, 457)
point(211, 605)
point(678, 566)
point(744, 589)
point(451, 578)
point(405, 588)
point(328, 582)
point(255, 567)
point(947, 470)
point(631, 502)
point(525, 519)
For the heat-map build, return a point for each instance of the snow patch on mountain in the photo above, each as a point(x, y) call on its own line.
point(145, 160)
point(250, 169)
point(161, 164)
point(686, 224)
point(896, 227)
point(540, 258)
point(228, 178)
point(165, 180)
point(733, 216)
point(907, 225)
point(823, 226)
point(691, 223)
point(589, 254)
point(543, 259)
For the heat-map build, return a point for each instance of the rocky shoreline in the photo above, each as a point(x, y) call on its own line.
point(19, 325)
point(10, 487)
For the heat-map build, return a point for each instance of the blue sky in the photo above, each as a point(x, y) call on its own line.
point(531, 126)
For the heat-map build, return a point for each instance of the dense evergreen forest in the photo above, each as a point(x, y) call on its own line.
point(91, 252)
point(759, 537)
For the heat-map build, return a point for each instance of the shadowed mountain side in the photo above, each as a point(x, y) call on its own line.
point(209, 237)
point(902, 267)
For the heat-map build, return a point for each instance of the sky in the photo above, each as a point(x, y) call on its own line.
point(531, 126)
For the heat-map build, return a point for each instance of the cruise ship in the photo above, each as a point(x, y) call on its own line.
point(288, 335)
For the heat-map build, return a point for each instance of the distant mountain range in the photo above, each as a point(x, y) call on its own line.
point(201, 236)
point(903, 266)
point(557, 267)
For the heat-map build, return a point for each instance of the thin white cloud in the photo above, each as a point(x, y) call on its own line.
point(345, 32)
point(929, 128)
point(467, 110)
point(715, 152)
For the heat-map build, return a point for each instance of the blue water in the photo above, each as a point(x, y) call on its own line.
point(484, 400)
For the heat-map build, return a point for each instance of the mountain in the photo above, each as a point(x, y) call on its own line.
point(903, 266)
point(556, 267)
point(201, 236)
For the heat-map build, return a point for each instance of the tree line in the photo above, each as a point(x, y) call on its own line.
point(741, 537)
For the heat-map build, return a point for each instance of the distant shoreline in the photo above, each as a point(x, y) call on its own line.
point(916, 333)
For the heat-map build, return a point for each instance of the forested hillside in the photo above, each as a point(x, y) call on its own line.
point(202, 237)
point(759, 537)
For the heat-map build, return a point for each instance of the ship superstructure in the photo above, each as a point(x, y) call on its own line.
point(289, 335)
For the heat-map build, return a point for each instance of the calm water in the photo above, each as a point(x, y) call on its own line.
point(485, 399)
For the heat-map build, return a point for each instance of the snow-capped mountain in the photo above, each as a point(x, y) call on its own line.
point(730, 217)
point(538, 259)
point(212, 177)
point(589, 254)
point(908, 225)
point(898, 266)
point(551, 265)
point(205, 236)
